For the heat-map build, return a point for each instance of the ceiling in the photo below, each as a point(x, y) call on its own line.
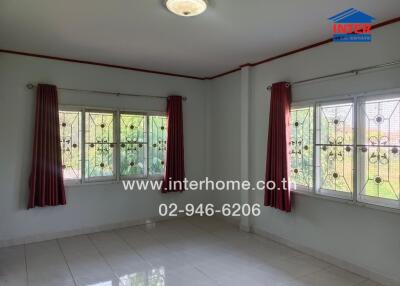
point(143, 34)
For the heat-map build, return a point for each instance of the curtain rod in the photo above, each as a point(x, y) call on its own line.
point(31, 86)
point(350, 72)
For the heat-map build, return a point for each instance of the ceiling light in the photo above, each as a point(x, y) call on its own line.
point(186, 8)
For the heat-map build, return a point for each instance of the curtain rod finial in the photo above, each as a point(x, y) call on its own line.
point(30, 86)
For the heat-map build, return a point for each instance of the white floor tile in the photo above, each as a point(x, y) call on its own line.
point(13, 266)
point(191, 251)
point(46, 265)
point(88, 267)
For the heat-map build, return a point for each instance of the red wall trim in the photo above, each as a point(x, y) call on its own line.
point(324, 42)
point(98, 64)
point(327, 41)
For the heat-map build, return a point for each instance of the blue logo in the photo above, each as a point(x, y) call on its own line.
point(352, 25)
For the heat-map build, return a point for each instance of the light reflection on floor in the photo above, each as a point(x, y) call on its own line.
point(154, 277)
point(183, 252)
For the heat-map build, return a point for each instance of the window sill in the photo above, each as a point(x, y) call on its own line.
point(345, 201)
point(78, 184)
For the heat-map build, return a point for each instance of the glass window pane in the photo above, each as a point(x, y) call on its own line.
point(133, 145)
point(100, 145)
point(70, 139)
point(378, 149)
point(157, 144)
point(301, 143)
point(335, 148)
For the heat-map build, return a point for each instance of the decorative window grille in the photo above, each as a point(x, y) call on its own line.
point(158, 144)
point(133, 145)
point(71, 144)
point(106, 145)
point(335, 149)
point(301, 143)
point(356, 155)
point(100, 145)
point(378, 151)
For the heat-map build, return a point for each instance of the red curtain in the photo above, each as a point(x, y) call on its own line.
point(175, 163)
point(46, 184)
point(278, 160)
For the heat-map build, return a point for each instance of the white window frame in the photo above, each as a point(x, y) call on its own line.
point(317, 162)
point(69, 108)
point(357, 99)
point(300, 105)
point(146, 175)
point(117, 177)
point(154, 176)
point(100, 178)
point(370, 199)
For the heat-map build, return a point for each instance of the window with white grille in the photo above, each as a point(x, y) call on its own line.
point(71, 144)
point(99, 145)
point(158, 144)
point(335, 149)
point(133, 145)
point(356, 155)
point(302, 147)
point(103, 145)
point(378, 151)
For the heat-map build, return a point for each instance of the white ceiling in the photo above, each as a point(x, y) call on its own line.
point(143, 34)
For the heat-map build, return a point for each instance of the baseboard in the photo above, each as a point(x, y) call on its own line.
point(81, 231)
point(362, 271)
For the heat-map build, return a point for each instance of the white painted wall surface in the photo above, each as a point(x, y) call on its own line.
point(95, 205)
point(365, 237)
point(358, 236)
point(224, 133)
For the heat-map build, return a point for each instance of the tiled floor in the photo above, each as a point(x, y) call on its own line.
point(190, 252)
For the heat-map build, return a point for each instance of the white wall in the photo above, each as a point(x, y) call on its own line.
point(95, 205)
point(223, 98)
point(361, 237)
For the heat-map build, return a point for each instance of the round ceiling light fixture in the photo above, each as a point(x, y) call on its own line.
point(186, 8)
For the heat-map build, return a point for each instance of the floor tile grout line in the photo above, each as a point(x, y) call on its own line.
point(103, 257)
point(195, 267)
point(66, 261)
point(209, 231)
point(26, 266)
point(302, 253)
point(135, 250)
point(128, 244)
point(205, 274)
point(161, 242)
point(132, 248)
point(312, 256)
point(214, 235)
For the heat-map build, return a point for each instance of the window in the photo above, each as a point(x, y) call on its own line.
point(301, 142)
point(335, 149)
point(71, 144)
point(99, 145)
point(133, 145)
point(378, 151)
point(102, 145)
point(356, 155)
point(158, 144)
